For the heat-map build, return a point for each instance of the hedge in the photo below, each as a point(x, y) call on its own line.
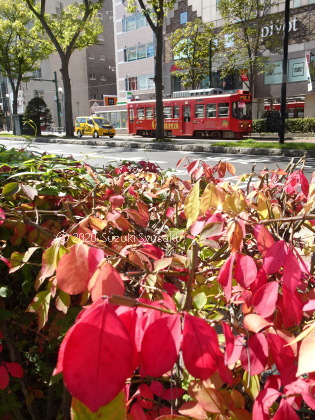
point(293, 125)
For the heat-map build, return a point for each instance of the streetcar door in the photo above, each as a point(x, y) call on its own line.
point(186, 119)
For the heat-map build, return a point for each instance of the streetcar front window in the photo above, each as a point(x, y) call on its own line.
point(242, 110)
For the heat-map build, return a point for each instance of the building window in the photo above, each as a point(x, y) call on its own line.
point(92, 76)
point(102, 57)
point(139, 83)
point(103, 77)
point(91, 55)
point(183, 18)
point(100, 16)
point(139, 52)
point(136, 21)
point(93, 96)
point(100, 38)
point(37, 74)
point(59, 7)
point(38, 93)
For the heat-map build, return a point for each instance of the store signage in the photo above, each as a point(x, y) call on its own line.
point(275, 29)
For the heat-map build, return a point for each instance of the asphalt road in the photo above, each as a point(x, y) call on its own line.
point(99, 156)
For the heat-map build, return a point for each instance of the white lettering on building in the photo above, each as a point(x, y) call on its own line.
point(276, 29)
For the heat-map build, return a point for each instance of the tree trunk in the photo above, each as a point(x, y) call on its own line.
point(67, 97)
point(158, 80)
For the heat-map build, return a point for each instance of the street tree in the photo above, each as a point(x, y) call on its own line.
point(155, 12)
point(38, 112)
point(76, 27)
point(245, 47)
point(191, 50)
point(23, 45)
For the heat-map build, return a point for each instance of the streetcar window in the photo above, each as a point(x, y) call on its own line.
point(211, 110)
point(131, 115)
point(149, 113)
point(199, 111)
point(176, 111)
point(242, 110)
point(223, 109)
point(167, 112)
point(140, 113)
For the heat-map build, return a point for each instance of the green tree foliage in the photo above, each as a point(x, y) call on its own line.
point(191, 47)
point(75, 28)
point(243, 46)
point(22, 44)
point(38, 112)
point(155, 12)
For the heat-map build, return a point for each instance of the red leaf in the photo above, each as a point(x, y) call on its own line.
point(283, 357)
point(285, 411)
point(4, 377)
point(116, 200)
point(146, 395)
point(245, 271)
point(137, 217)
point(200, 347)
point(14, 369)
point(194, 410)
point(73, 272)
point(105, 281)
point(233, 345)
point(291, 272)
point(97, 357)
point(254, 357)
point(264, 238)
point(255, 323)
point(225, 276)
point(265, 299)
point(2, 216)
point(263, 402)
point(275, 257)
point(292, 310)
point(95, 257)
point(152, 251)
point(171, 394)
point(129, 317)
point(160, 346)
point(306, 354)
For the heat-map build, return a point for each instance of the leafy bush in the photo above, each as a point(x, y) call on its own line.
point(293, 125)
point(191, 298)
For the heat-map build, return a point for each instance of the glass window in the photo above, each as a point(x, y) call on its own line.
point(223, 109)
point(183, 18)
point(130, 23)
point(211, 110)
point(140, 20)
point(242, 110)
point(141, 52)
point(131, 54)
point(186, 113)
point(140, 113)
point(143, 82)
point(199, 111)
point(167, 110)
point(132, 83)
point(150, 50)
point(149, 113)
point(131, 115)
point(176, 111)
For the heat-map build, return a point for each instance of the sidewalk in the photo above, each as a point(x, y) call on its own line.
point(193, 145)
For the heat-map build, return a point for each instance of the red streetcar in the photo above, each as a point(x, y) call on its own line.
point(222, 115)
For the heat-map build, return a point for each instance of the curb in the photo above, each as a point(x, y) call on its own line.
point(197, 148)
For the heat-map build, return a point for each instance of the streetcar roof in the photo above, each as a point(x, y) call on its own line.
point(228, 95)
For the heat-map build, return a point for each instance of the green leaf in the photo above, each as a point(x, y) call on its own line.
point(115, 410)
point(251, 384)
point(10, 189)
point(40, 305)
point(200, 300)
point(5, 314)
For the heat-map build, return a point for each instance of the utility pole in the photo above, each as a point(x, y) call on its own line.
point(283, 100)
